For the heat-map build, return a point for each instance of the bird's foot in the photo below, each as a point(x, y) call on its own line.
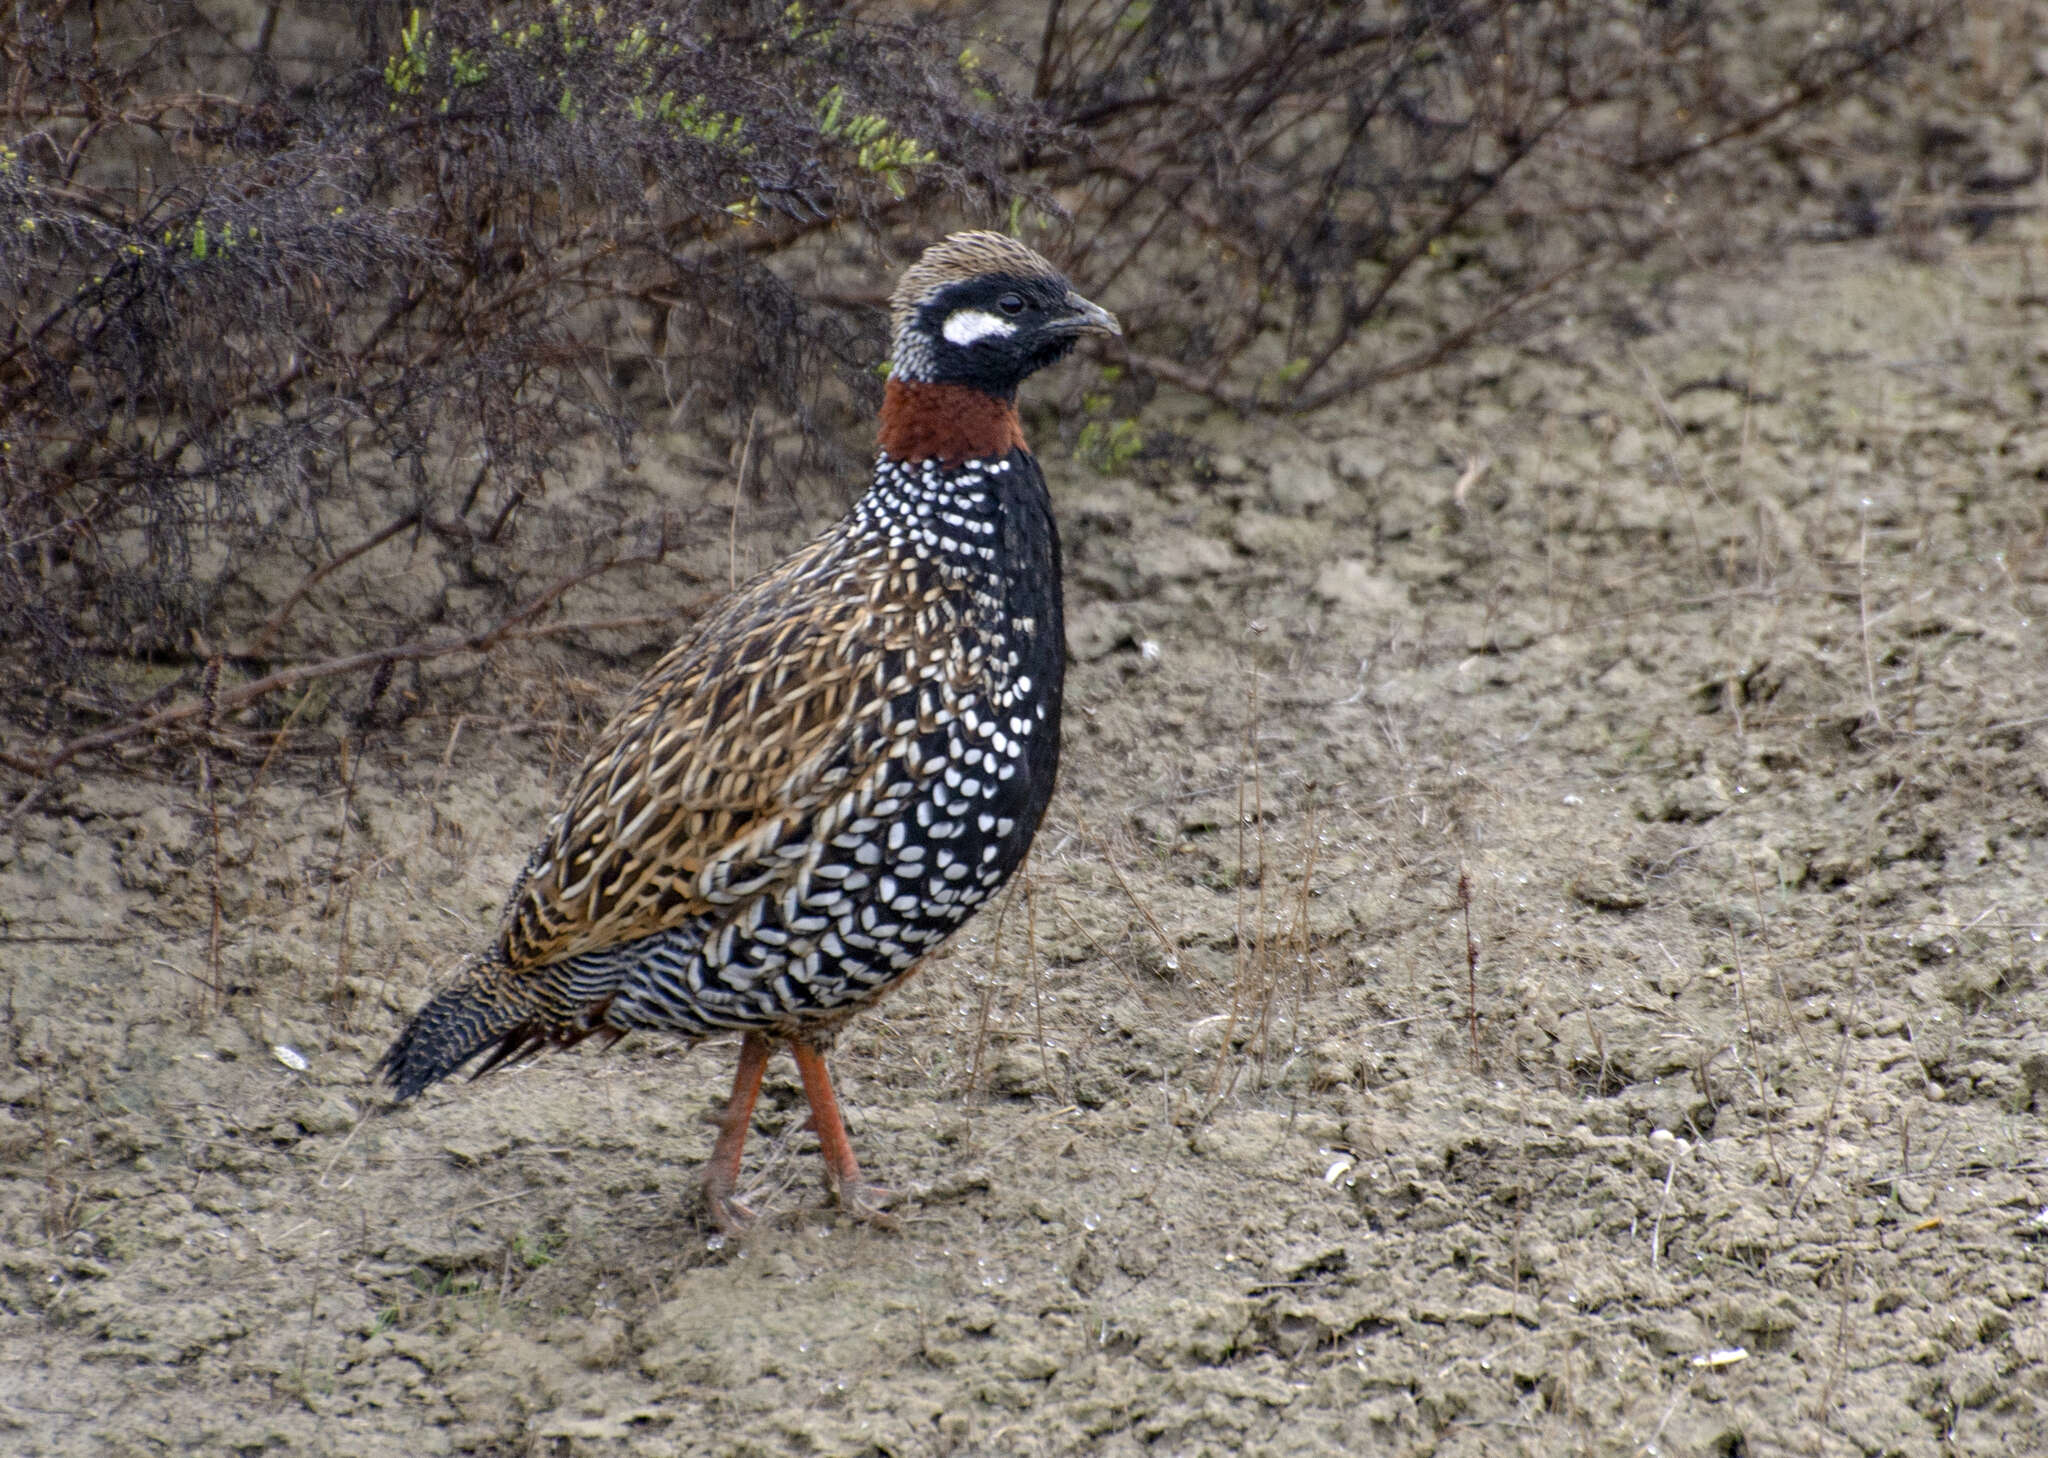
point(731, 1214)
point(867, 1203)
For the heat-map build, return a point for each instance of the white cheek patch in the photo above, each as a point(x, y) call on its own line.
point(965, 326)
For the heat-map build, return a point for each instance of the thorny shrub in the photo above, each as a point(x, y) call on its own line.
point(1330, 158)
point(252, 266)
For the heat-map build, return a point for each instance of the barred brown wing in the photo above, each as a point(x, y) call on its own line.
point(739, 751)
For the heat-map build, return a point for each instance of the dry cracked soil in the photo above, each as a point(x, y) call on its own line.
point(1704, 654)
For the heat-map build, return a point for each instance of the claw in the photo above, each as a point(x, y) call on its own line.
point(868, 1203)
point(729, 1213)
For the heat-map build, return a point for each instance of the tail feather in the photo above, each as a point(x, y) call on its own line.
point(508, 1013)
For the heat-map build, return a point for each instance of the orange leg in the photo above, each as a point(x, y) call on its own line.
point(842, 1170)
point(723, 1170)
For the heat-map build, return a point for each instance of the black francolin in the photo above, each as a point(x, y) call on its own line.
point(812, 791)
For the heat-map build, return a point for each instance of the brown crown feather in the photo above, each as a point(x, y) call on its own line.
point(956, 258)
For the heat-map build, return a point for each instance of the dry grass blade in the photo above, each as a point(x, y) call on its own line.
point(1170, 953)
point(1031, 961)
point(1756, 1050)
point(1245, 971)
point(209, 689)
point(739, 485)
point(977, 1061)
point(1303, 939)
point(1471, 965)
point(61, 1197)
point(1863, 617)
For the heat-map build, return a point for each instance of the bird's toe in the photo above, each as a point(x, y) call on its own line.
point(868, 1203)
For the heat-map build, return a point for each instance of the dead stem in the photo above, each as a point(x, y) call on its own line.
point(1678, 477)
point(1247, 756)
point(60, 1202)
point(1825, 1132)
point(347, 767)
point(1756, 892)
point(1166, 943)
point(1756, 1051)
point(265, 635)
point(1031, 961)
point(739, 481)
point(276, 743)
point(337, 1000)
point(1663, 1204)
point(976, 1063)
point(1839, 1359)
point(1303, 955)
point(1863, 615)
point(512, 629)
point(209, 689)
point(1263, 974)
point(1471, 965)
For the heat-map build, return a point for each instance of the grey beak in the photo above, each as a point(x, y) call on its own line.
point(1086, 318)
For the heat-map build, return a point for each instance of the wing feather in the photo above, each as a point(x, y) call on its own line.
point(750, 741)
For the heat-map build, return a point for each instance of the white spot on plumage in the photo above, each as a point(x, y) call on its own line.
point(970, 326)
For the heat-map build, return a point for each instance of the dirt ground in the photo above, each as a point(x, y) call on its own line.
point(1705, 645)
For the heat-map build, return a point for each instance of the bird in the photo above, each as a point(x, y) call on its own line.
point(813, 790)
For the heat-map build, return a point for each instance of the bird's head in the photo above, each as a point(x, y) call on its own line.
point(984, 311)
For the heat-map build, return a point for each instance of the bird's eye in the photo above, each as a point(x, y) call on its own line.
point(1011, 304)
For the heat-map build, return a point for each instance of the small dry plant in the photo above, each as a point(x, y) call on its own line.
point(1272, 934)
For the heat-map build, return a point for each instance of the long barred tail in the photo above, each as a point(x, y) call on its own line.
point(493, 1008)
